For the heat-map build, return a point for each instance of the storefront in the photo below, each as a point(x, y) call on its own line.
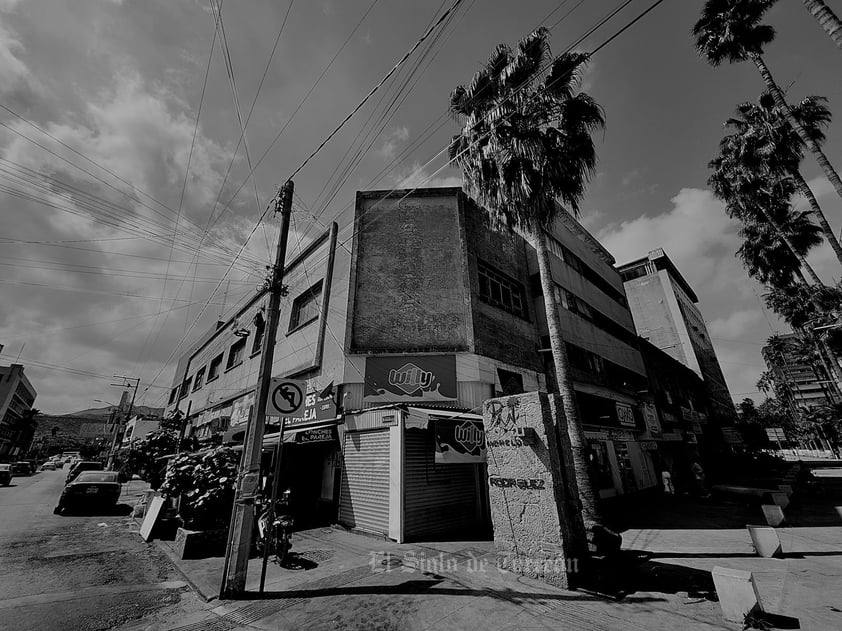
point(413, 473)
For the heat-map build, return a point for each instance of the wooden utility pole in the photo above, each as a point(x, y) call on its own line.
point(121, 423)
point(242, 516)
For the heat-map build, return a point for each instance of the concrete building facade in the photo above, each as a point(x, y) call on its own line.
point(17, 397)
point(665, 312)
point(402, 329)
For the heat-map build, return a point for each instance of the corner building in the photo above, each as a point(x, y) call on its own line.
point(415, 313)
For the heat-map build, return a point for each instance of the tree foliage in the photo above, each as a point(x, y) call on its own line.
point(206, 483)
point(144, 455)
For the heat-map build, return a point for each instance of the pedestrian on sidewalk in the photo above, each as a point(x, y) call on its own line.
point(697, 476)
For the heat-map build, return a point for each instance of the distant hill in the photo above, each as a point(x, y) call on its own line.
point(106, 412)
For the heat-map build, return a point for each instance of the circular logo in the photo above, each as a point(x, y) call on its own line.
point(287, 398)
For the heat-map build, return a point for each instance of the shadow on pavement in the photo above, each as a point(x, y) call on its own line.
point(415, 586)
point(630, 572)
point(121, 510)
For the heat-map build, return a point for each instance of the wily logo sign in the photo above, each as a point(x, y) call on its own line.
point(469, 435)
point(410, 378)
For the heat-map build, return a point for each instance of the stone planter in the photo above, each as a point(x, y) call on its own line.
point(200, 544)
point(766, 541)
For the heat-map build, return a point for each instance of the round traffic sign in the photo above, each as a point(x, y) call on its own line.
point(287, 397)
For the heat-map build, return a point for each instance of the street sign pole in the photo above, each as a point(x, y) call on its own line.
point(242, 516)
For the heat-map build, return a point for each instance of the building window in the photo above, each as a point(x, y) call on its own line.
point(185, 387)
point(305, 308)
point(200, 375)
point(501, 291)
point(259, 331)
point(173, 395)
point(236, 353)
point(213, 369)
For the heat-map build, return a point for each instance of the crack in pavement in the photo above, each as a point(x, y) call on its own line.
point(86, 592)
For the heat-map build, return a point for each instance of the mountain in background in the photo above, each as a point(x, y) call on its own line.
point(106, 412)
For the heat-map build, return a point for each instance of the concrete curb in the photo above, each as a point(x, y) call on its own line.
point(163, 547)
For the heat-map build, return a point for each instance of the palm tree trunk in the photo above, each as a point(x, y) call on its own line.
point(812, 145)
point(827, 18)
point(817, 211)
point(571, 423)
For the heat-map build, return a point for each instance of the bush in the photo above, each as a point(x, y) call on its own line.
point(206, 483)
point(144, 456)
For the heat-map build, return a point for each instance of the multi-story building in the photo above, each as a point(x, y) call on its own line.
point(799, 383)
point(665, 312)
point(402, 328)
point(17, 397)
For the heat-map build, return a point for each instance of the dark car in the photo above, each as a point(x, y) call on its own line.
point(21, 468)
point(5, 474)
point(91, 489)
point(80, 466)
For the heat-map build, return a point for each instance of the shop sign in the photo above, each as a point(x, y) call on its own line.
point(672, 437)
point(459, 441)
point(651, 416)
point(620, 434)
point(241, 409)
point(410, 378)
point(315, 411)
point(625, 415)
point(596, 435)
point(317, 435)
point(732, 436)
point(648, 445)
point(669, 417)
point(696, 427)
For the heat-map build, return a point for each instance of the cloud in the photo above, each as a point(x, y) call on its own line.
point(735, 325)
point(419, 177)
point(391, 142)
point(14, 73)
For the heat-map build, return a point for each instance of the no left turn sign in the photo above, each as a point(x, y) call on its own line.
point(286, 397)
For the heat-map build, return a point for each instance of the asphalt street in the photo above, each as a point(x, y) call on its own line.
point(80, 572)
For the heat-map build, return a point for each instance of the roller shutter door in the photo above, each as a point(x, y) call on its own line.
point(439, 499)
point(364, 498)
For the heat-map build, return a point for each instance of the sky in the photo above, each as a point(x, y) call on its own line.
point(101, 157)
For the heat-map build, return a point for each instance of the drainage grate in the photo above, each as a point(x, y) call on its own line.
point(316, 556)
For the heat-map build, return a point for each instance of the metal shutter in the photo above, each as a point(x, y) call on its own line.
point(364, 497)
point(439, 499)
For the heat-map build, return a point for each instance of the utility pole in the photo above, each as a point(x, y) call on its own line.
point(118, 430)
point(242, 516)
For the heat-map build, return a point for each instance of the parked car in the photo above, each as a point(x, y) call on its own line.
point(48, 466)
point(90, 489)
point(21, 468)
point(80, 466)
point(5, 474)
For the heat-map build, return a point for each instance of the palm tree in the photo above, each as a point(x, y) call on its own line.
point(730, 30)
point(768, 145)
point(827, 18)
point(754, 199)
point(525, 144)
point(765, 254)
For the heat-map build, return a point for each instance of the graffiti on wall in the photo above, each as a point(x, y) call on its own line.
point(504, 417)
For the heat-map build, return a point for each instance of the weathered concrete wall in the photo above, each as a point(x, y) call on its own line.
point(409, 290)
point(527, 491)
point(497, 333)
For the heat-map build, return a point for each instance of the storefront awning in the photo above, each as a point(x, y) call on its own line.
point(419, 418)
point(270, 440)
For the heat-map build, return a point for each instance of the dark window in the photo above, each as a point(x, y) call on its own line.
point(200, 375)
point(173, 395)
point(213, 369)
point(499, 290)
point(305, 308)
point(235, 355)
point(510, 382)
point(259, 331)
point(185, 387)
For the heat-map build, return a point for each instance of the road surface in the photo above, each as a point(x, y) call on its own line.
point(78, 572)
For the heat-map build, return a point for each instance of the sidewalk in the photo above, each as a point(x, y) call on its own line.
point(348, 581)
